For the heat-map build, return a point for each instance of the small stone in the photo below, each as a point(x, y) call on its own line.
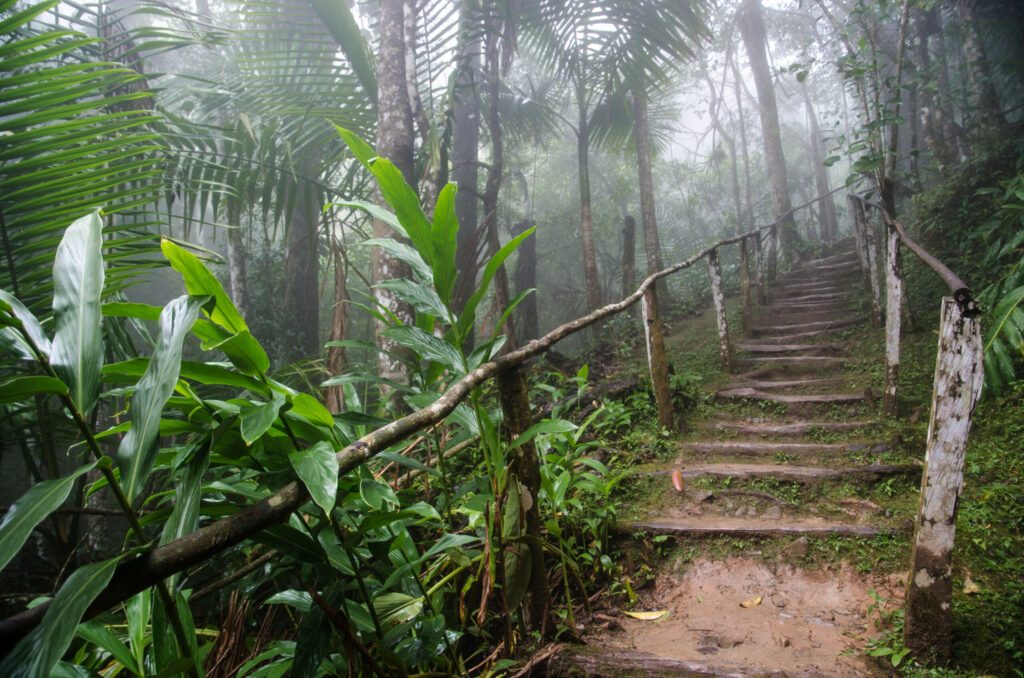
point(726, 643)
point(741, 511)
point(796, 550)
point(701, 496)
point(773, 513)
point(783, 641)
point(779, 601)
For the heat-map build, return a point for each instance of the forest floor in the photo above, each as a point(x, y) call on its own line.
point(772, 538)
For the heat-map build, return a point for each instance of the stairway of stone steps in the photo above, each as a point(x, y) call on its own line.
point(791, 413)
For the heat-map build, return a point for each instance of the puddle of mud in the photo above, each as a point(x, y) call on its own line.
point(808, 621)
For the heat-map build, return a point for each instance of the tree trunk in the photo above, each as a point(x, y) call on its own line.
point(657, 361)
point(745, 291)
point(715, 276)
point(590, 274)
point(988, 114)
point(429, 184)
point(893, 318)
point(525, 279)
point(394, 142)
point(465, 156)
point(752, 29)
point(302, 269)
point(748, 191)
point(628, 255)
point(236, 268)
point(828, 223)
point(335, 395)
point(928, 630)
point(928, 104)
point(648, 216)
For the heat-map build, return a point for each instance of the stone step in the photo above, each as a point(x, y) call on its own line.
point(803, 474)
point(807, 327)
point(781, 384)
point(614, 663)
point(748, 393)
point(699, 526)
point(791, 317)
point(758, 428)
point(810, 298)
point(803, 289)
point(751, 347)
point(798, 364)
point(786, 338)
point(763, 448)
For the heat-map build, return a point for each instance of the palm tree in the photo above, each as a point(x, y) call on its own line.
point(600, 46)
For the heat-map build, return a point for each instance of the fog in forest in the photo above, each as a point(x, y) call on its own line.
point(329, 345)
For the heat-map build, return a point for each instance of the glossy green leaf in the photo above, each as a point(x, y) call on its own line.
point(547, 426)
point(426, 346)
point(444, 237)
point(11, 336)
point(317, 468)
point(38, 652)
point(199, 281)
point(468, 316)
point(17, 389)
point(32, 508)
point(138, 449)
point(100, 636)
point(394, 608)
point(257, 420)
point(77, 350)
point(138, 611)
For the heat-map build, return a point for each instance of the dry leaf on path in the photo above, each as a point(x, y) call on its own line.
point(753, 602)
point(677, 479)
point(654, 615)
point(970, 587)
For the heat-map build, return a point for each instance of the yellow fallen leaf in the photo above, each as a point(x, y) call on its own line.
point(654, 615)
point(970, 587)
point(753, 602)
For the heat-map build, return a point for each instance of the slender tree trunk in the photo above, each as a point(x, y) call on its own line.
point(828, 224)
point(526, 279)
point(747, 190)
point(335, 395)
point(302, 268)
point(928, 105)
point(465, 155)
point(590, 274)
point(628, 255)
point(429, 185)
point(394, 142)
point(988, 113)
point(236, 268)
point(752, 29)
point(648, 215)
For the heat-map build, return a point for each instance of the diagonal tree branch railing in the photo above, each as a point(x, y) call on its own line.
point(133, 576)
point(957, 386)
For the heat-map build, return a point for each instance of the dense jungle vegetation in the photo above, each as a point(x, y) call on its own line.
point(241, 238)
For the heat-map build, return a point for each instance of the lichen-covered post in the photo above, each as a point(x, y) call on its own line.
point(759, 270)
point(893, 319)
point(872, 256)
point(715, 274)
point(773, 253)
point(657, 362)
point(514, 397)
point(958, 376)
point(857, 213)
point(748, 310)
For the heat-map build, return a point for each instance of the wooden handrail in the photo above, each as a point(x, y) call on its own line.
point(136, 575)
point(961, 292)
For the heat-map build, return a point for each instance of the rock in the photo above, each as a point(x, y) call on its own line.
point(773, 513)
point(782, 641)
point(741, 511)
point(796, 550)
point(725, 642)
point(778, 601)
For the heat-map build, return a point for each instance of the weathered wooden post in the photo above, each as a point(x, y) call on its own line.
point(928, 628)
point(872, 256)
point(715, 274)
point(748, 310)
point(773, 253)
point(657, 362)
point(514, 397)
point(893, 320)
point(857, 214)
point(759, 268)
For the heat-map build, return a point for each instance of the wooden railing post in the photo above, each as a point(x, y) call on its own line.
point(514, 397)
point(745, 293)
point(715, 274)
point(657, 362)
point(762, 299)
point(893, 319)
point(773, 253)
point(857, 214)
point(872, 256)
point(958, 376)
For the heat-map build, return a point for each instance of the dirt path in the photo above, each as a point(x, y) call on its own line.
point(750, 615)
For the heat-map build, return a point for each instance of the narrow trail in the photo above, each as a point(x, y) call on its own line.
point(794, 413)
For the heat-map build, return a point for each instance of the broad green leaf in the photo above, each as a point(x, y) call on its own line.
point(376, 493)
point(128, 309)
point(403, 252)
point(444, 236)
point(394, 608)
point(375, 211)
point(138, 610)
point(545, 426)
point(427, 346)
point(300, 600)
point(256, 420)
point(317, 468)
point(100, 636)
point(199, 281)
point(32, 508)
point(242, 349)
point(468, 316)
point(29, 323)
point(210, 374)
point(420, 297)
point(38, 652)
point(138, 449)
point(311, 409)
point(77, 350)
point(17, 389)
